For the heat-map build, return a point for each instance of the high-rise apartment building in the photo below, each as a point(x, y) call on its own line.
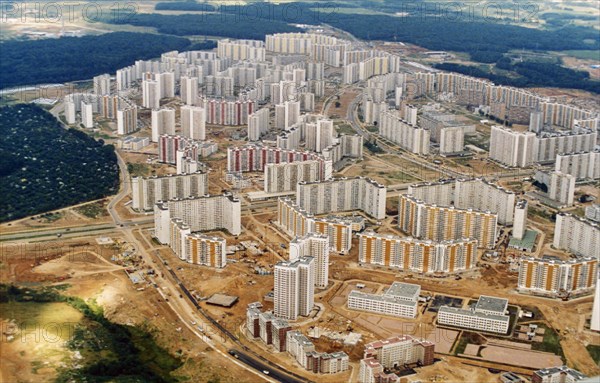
point(552, 276)
point(343, 194)
point(151, 94)
point(317, 246)
point(577, 235)
point(193, 122)
point(284, 177)
point(163, 122)
point(127, 121)
point(258, 124)
point(520, 220)
point(102, 84)
point(513, 148)
point(409, 137)
point(421, 256)
point(199, 213)
point(146, 192)
point(197, 248)
point(294, 288)
point(189, 90)
point(438, 223)
point(87, 115)
point(562, 188)
point(580, 165)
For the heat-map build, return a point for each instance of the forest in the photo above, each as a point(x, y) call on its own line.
point(530, 74)
point(46, 167)
point(79, 58)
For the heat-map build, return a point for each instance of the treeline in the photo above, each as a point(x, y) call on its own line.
point(184, 6)
point(78, 58)
point(530, 74)
point(46, 167)
point(222, 24)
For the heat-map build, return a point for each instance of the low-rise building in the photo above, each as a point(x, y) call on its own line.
point(399, 300)
point(488, 315)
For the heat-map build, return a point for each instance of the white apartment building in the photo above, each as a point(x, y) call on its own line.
point(562, 188)
point(287, 114)
point(592, 212)
point(551, 275)
point(197, 248)
point(585, 165)
point(296, 222)
point(284, 177)
point(193, 122)
point(452, 140)
point(151, 94)
point(319, 135)
point(400, 300)
point(480, 194)
point(258, 124)
point(163, 122)
point(577, 235)
point(488, 315)
point(398, 351)
point(512, 148)
point(409, 137)
point(439, 193)
point(199, 213)
point(241, 50)
point(520, 220)
point(421, 256)
point(102, 84)
point(317, 246)
point(294, 288)
point(550, 144)
point(189, 90)
point(438, 223)
point(87, 115)
point(146, 192)
point(343, 194)
point(127, 121)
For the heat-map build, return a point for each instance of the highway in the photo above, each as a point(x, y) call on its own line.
point(258, 365)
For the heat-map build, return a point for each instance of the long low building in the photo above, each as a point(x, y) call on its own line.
point(199, 213)
point(399, 300)
point(488, 315)
point(296, 222)
point(439, 223)
point(343, 194)
point(146, 192)
point(421, 256)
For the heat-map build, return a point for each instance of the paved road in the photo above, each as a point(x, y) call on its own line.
point(124, 190)
point(258, 365)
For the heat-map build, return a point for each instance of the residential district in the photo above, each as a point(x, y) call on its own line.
point(332, 211)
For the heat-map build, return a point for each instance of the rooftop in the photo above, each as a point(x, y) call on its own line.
point(382, 298)
point(564, 369)
point(456, 310)
point(222, 300)
point(494, 304)
point(407, 290)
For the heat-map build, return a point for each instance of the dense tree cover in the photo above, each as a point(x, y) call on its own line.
point(221, 24)
point(201, 46)
point(78, 58)
point(189, 5)
point(46, 167)
point(111, 352)
point(530, 74)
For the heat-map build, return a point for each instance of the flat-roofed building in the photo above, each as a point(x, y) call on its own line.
point(399, 300)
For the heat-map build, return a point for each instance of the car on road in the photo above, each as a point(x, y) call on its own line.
point(265, 372)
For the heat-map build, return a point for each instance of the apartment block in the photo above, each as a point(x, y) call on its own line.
point(488, 315)
point(189, 90)
point(146, 192)
point(432, 222)
point(200, 213)
point(551, 144)
point(343, 194)
point(480, 194)
point(399, 300)
point(552, 276)
point(319, 135)
point(520, 220)
point(585, 165)
point(267, 327)
point(317, 246)
point(102, 84)
point(258, 124)
point(240, 50)
point(296, 222)
point(163, 122)
point(294, 288)
point(409, 137)
point(193, 122)
point(592, 212)
point(284, 177)
point(577, 235)
point(196, 248)
point(303, 350)
point(421, 256)
point(512, 148)
point(452, 140)
point(562, 188)
point(127, 121)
